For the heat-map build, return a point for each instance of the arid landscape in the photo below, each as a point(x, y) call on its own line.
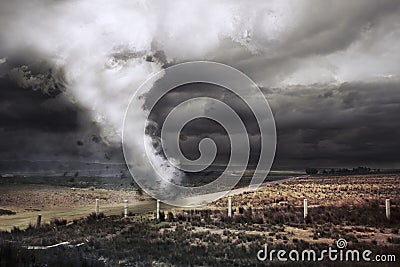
point(134, 133)
point(350, 207)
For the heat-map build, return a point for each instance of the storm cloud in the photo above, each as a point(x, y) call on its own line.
point(317, 125)
point(330, 71)
point(38, 126)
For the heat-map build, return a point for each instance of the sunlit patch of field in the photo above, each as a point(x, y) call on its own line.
point(26, 201)
point(323, 190)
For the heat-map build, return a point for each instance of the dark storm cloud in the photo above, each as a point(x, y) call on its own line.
point(26, 109)
point(339, 110)
point(345, 125)
point(317, 125)
point(197, 129)
point(35, 125)
point(190, 91)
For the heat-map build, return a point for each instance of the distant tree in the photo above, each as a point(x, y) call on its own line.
point(361, 170)
point(311, 171)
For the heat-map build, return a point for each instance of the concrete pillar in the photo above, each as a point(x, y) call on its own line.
point(305, 208)
point(125, 208)
point(229, 206)
point(387, 203)
point(38, 221)
point(97, 208)
point(158, 209)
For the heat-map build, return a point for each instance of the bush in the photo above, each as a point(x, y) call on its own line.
point(241, 210)
point(6, 212)
point(58, 222)
point(162, 216)
point(394, 240)
point(94, 216)
point(170, 216)
point(16, 230)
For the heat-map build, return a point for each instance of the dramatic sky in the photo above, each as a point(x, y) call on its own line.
point(330, 71)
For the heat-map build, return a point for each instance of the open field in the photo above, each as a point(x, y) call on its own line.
point(349, 207)
point(27, 201)
point(51, 201)
point(324, 190)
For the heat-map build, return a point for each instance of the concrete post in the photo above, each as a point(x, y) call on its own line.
point(305, 208)
point(38, 221)
point(125, 208)
point(158, 210)
point(387, 202)
point(97, 209)
point(229, 206)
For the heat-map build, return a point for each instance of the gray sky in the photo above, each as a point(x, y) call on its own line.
point(329, 69)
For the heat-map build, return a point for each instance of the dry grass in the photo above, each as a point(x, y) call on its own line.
point(350, 207)
point(323, 190)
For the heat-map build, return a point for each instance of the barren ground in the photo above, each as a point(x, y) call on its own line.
point(350, 207)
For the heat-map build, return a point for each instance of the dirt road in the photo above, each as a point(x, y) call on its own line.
point(24, 218)
point(62, 202)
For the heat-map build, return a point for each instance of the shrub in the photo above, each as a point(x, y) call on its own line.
point(58, 222)
point(394, 240)
point(6, 212)
point(170, 216)
point(94, 216)
point(16, 230)
point(162, 216)
point(241, 210)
